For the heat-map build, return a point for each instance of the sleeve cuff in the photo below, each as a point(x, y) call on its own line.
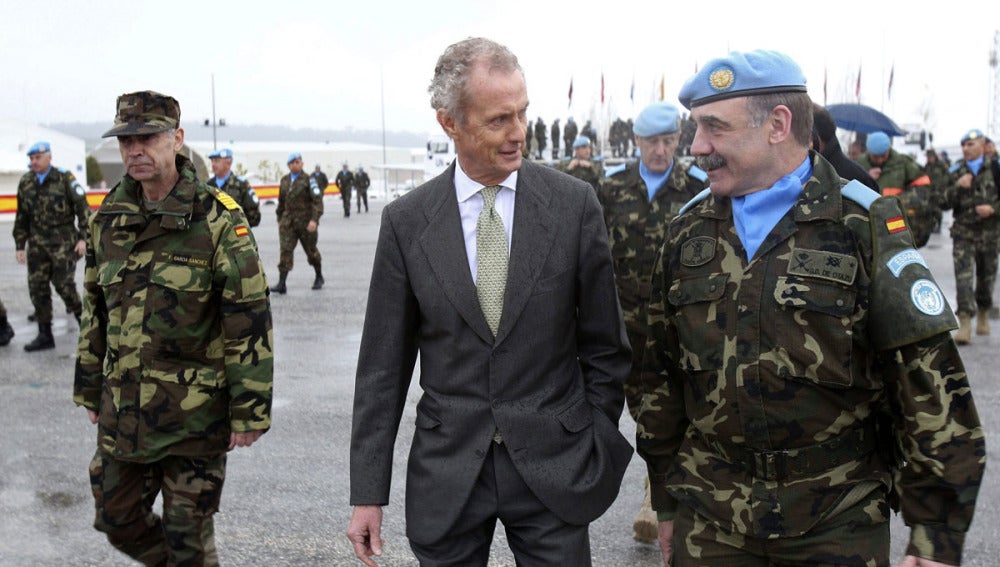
point(936, 543)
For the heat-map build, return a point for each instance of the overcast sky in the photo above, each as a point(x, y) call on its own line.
point(331, 64)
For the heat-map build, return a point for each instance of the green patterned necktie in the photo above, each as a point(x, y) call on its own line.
point(491, 254)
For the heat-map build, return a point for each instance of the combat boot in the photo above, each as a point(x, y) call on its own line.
point(280, 288)
point(319, 281)
point(983, 322)
point(6, 332)
point(964, 334)
point(44, 340)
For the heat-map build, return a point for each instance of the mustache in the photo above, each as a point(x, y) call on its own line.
point(710, 162)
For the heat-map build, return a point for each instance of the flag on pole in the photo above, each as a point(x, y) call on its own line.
point(570, 93)
point(857, 85)
point(824, 85)
point(631, 90)
point(892, 73)
point(602, 87)
point(663, 78)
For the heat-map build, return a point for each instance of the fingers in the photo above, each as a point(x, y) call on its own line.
point(365, 545)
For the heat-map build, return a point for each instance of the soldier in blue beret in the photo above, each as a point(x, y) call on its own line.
point(234, 185)
point(300, 204)
point(799, 367)
point(50, 230)
point(583, 165)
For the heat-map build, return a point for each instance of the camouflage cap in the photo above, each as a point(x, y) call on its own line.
point(145, 112)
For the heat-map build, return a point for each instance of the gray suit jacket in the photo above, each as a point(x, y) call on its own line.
point(551, 382)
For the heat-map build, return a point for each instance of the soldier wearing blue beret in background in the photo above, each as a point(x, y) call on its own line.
point(300, 204)
point(234, 185)
point(583, 165)
point(639, 200)
point(50, 229)
point(799, 374)
point(973, 197)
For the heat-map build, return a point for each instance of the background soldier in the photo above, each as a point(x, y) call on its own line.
point(555, 139)
point(793, 327)
point(540, 137)
point(569, 135)
point(972, 197)
point(639, 200)
point(361, 183)
point(899, 175)
point(937, 170)
point(174, 360)
point(6, 331)
point(345, 180)
point(49, 200)
point(234, 185)
point(300, 204)
point(583, 165)
point(321, 179)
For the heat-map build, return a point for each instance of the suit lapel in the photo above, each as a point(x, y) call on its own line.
point(444, 246)
point(531, 243)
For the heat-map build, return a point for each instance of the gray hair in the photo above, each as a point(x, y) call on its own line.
point(760, 106)
point(451, 73)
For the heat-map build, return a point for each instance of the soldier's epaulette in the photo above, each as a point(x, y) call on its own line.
point(701, 196)
point(226, 200)
point(241, 178)
point(698, 173)
point(615, 170)
point(954, 167)
point(859, 193)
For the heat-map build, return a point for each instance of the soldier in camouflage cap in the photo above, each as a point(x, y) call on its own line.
point(639, 200)
point(799, 349)
point(175, 355)
point(49, 232)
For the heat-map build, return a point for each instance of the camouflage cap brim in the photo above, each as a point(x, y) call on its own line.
point(138, 129)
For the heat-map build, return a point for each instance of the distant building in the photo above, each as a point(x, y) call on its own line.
point(15, 139)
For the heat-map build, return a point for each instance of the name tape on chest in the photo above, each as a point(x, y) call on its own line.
point(839, 268)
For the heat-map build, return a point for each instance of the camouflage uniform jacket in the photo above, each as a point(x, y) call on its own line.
point(636, 227)
point(760, 378)
point(46, 212)
point(244, 195)
point(301, 201)
point(903, 177)
point(967, 223)
point(175, 349)
point(591, 175)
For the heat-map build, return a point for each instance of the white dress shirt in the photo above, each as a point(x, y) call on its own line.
point(470, 204)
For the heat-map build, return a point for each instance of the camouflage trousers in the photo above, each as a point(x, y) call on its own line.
point(55, 266)
point(290, 233)
point(124, 494)
point(975, 272)
point(633, 386)
point(857, 536)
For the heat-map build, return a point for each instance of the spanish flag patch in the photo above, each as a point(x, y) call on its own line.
point(895, 224)
point(242, 231)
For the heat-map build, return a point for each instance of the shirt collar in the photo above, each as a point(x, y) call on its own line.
point(465, 187)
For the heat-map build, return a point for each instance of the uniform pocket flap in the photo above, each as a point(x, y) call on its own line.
point(697, 289)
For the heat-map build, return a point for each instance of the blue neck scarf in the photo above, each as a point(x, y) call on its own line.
point(41, 176)
point(975, 164)
point(220, 182)
point(295, 176)
point(756, 214)
point(653, 180)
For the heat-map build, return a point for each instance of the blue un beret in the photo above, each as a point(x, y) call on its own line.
point(223, 153)
point(743, 74)
point(878, 143)
point(973, 134)
point(580, 142)
point(294, 156)
point(39, 148)
point(657, 118)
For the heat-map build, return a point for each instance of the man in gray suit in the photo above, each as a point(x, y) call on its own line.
point(523, 352)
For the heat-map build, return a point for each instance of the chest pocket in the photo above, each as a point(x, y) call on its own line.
point(813, 327)
point(701, 318)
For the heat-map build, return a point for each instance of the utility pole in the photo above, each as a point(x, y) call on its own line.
point(993, 116)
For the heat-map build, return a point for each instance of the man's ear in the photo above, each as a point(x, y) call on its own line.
point(780, 123)
point(447, 123)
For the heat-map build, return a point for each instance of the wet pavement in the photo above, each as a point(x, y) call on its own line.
point(286, 498)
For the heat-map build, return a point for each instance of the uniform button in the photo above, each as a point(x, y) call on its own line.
point(496, 404)
point(840, 303)
point(711, 287)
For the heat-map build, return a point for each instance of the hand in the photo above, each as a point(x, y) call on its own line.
point(984, 211)
point(666, 537)
point(911, 561)
point(21, 256)
point(965, 181)
point(875, 172)
point(244, 438)
point(81, 248)
point(312, 226)
point(365, 533)
point(92, 415)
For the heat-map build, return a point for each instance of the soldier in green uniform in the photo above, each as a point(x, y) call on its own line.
point(973, 198)
point(362, 182)
point(937, 171)
point(175, 356)
point(6, 331)
point(51, 222)
point(899, 175)
point(234, 185)
point(300, 204)
point(583, 165)
point(345, 181)
point(796, 336)
point(639, 200)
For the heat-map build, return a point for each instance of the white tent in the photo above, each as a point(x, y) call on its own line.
point(15, 139)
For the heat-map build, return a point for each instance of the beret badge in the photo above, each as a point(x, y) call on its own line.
point(721, 79)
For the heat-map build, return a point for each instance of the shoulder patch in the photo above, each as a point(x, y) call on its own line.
point(701, 196)
point(698, 173)
point(859, 193)
point(615, 170)
point(226, 200)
